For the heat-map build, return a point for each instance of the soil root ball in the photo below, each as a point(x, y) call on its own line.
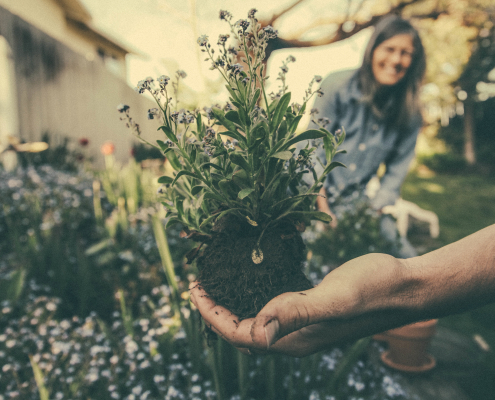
point(228, 274)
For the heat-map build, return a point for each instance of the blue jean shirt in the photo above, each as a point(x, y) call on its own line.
point(369, 142)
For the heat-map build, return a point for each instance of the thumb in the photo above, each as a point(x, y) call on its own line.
point(284, 314)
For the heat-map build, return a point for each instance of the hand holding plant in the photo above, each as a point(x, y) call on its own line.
point(236, 172)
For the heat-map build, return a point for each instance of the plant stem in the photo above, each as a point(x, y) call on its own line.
point(167, 263)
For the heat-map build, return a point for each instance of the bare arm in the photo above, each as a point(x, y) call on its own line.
point(364, 296)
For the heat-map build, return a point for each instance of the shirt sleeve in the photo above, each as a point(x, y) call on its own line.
point(397, 167)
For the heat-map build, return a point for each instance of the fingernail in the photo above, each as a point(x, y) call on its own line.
point(271, 332)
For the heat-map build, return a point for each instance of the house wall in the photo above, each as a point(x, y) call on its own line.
point(49, 17)
point(60, 92)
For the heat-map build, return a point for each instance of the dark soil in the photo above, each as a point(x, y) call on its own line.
point(228, 274)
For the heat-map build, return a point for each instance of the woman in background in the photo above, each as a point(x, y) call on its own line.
point(378, 106)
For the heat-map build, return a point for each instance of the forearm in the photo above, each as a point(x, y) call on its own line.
point(377, 292)
point(457, 277)
point(452, 279)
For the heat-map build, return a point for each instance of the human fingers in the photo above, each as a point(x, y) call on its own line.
point(220, 320)
point(293, 311)
point(284, 314)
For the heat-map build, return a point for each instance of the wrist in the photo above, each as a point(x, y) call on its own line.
point(380, 283)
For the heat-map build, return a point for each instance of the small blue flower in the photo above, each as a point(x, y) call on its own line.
point(142, 86)
point(270, 32)
point(222, 39)
point(225, 15)
point(163, 80)
point(235, 68)
point(152, 112)
point(121, 108)
point(203, 40)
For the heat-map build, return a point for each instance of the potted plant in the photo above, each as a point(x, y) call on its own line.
point(408, 346)
point(236, 185)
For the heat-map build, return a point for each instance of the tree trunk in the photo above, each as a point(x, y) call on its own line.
point(469, 126)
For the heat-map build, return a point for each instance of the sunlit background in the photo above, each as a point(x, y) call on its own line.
point(165, 33)
point(93, 286)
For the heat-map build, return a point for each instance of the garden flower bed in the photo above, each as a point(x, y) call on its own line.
point(140, 339)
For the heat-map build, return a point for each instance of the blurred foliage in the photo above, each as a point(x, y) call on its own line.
point(357, 233)
point(453, 136)
point(84, 235)
point(447, 163)
point(141, 152)
point(62, 154)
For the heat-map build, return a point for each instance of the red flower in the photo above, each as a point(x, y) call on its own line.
point(84, 142)
point(108, 148)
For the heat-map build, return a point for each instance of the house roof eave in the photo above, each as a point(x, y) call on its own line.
point(79, 17)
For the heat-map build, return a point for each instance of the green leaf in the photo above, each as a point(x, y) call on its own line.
point(319, 215)
point(244, 117)
point(180, 208)
point(213, 165)
point(172, 221)
point(294, 199)
point(182, 173)
point(283, 155)
point(11, 289)
point(294, 124)
point(168, 206)
point(278, 113)
point(342, 137)
point(255, 99)
point(329, 148)
point(282, 131)
point(236, 135)
point(96, 248)
point(199, 201)
point(174, 161)
point(162, 145)
point(196, 189)
point(240, 178)
point(40, 380)
point(245, 192)
point(331, 166)
point(229, 211)
point(165, 179)
point(226, 186)
point(199, 125)
point(192, 152)
point(233, 116)
point(232, 93)
point(169, 133)
point(238, 159)
point(214, 196)
point(311, 134)
point(219, 114)
point(303, 108)
point(208, 220)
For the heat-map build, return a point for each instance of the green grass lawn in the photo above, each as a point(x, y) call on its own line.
point(464, 204)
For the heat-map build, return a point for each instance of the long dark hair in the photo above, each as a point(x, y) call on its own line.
point(401, 103)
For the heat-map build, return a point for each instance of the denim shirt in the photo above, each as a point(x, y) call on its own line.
point(369, 142)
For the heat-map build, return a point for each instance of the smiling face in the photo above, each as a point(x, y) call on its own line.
point(392, 58)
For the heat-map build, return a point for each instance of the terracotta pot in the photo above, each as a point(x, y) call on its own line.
point(408, 346)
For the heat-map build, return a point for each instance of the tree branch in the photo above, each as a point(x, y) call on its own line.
point(277, 15)
point(340, 33)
